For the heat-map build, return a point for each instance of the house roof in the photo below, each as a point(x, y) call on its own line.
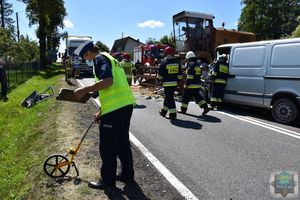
point(119, 44)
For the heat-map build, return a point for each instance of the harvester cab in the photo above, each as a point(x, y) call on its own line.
point(192, 32)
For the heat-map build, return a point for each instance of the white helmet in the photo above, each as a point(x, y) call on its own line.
point(190, 54)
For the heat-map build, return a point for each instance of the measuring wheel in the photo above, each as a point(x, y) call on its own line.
point(56, 166)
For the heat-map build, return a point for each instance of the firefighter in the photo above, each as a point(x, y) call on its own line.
point(170, 74)
point(117, 102)
point(117, 56)
point(128, 67)
point(219, 79)
point(193, 84)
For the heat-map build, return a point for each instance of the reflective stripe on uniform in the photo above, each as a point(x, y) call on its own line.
point(170, 83)
point(165, 108)
point(200, 103)
point(184, 105)
point(223, 69)
point(220, 81)
point(173, 110)
point(190, 76)
point(179, 77)
point(214, 99)
point(194, 86)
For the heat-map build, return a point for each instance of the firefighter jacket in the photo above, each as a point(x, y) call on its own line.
point(220, 72)
point(128, 67)
point(193, 74)
point(170, 72)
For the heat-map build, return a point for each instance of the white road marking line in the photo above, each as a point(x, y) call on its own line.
point(182, 189)
point(265, 125)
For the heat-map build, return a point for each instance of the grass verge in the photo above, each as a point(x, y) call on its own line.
point(21, 134)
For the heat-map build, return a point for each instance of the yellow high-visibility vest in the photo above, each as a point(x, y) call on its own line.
point(117, 95)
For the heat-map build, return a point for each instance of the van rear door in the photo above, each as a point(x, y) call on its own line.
point(247, 68)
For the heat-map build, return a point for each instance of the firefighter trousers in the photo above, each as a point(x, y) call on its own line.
point(114, 141)
point(169, 101)
point(190, 93)
point(217, 94)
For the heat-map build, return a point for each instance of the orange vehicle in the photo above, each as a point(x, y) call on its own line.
point(194, 31)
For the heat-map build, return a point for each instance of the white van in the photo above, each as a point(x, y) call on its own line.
point(265, 74)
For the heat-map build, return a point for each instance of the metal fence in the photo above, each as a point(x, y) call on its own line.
point(18, 73)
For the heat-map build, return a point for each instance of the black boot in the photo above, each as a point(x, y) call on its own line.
point(172, 116)
point(205, 110)
point(163, 112)
point(182, 110)
point(100, 185)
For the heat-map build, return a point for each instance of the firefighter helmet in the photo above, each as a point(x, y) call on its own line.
point(126, 56)
point(168, 51)
point(190, 54)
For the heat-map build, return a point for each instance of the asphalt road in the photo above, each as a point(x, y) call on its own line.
point(229, 154)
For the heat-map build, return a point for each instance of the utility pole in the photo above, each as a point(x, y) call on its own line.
point(2, 13)
point(18, 32)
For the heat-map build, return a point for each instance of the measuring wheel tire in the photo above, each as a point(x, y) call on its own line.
point(285, 111)
point(52, 162)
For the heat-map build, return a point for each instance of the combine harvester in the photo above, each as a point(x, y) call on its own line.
point(192, 31)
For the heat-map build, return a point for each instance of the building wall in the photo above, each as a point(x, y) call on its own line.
point(130, 45)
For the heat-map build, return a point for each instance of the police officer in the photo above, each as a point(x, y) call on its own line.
point(193, 84)
point(219, 79)
point(170, 74)
point(128, 67)
point(117, 102)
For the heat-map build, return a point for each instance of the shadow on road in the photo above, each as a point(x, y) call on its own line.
point(206, 118)
point(131, 191)
point(209, 118)
point(137, 106)
point(186, 124)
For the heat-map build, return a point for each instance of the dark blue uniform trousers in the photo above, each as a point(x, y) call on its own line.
point(114, 141)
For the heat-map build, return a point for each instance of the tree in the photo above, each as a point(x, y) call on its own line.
point(269, 19)
point(151, 41)
point(25, 50)
point(6, 41)
point(49, 15)
point(296, 33)
point(168, 40)
point(102, 47)
point(7, 12)
point(22, 51)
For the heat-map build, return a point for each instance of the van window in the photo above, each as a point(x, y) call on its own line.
point(286, 55)
point(249, 57)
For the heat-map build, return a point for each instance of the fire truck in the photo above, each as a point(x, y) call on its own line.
point(149, 54)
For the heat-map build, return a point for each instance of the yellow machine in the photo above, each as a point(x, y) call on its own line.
point(194, 31)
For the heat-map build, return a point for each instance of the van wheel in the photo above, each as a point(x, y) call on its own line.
point(284, 111)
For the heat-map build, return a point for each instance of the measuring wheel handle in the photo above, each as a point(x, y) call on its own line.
point(56, 166)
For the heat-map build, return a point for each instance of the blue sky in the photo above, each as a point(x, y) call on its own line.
point(108, 20)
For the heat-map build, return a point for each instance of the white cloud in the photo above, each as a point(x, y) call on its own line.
point(68, 23)
point(150, 24)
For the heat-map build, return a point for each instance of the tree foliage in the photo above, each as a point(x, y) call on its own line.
point(22, 51)
point(102, 46)
point(7, 11)
point(269, 19)
point(168, 40)
point(49, 15)
point(296, 33)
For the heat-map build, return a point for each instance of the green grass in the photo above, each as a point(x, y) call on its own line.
point(20, 130)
